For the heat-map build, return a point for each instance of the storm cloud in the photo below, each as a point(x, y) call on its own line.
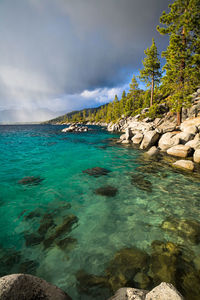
point(64, 54)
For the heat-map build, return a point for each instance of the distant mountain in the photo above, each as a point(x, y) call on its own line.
point(26, 115)
point(69, 115)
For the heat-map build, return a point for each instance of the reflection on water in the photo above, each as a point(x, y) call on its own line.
point(135, 225)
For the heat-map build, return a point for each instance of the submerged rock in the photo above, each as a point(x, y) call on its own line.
point(28, 266)
point(45, 223)
point(124, 266)
point(60, 230)
point(33, 239)
point(107, 190)
point(188, 229)
point(30, 180)
point(33, 214)
point(23, 286)
point(163, 262)
point(67, 243)
point(88, 281)
point(141, 183)
point(96, 171)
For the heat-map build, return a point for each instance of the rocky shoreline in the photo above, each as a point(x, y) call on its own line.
point(24, 287)
point(163, 135)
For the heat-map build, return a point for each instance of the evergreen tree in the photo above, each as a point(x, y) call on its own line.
point(123, 103)
point(151, 74)
point(116, 108)
point(182, 24)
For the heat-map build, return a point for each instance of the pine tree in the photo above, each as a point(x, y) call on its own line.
point(151, 74)
point(116, 108)
point(182, 24)
point(123, 103)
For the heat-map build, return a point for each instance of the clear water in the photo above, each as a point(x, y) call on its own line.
point(106, 224)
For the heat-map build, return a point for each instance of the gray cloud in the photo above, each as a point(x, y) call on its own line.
point(53, 50)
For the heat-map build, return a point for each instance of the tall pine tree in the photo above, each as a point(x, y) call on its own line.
point(151, 74)
point(182, 24)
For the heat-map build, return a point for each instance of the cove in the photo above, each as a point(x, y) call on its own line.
point(80, 231)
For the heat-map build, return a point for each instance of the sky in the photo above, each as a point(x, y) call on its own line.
point(64, 55)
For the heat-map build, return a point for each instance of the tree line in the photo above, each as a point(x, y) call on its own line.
point(173, 84)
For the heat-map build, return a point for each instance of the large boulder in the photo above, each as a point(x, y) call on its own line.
point(191, 125)
point(164, 291)
point(195, 143)
point(196, 156)
point(128, 133)
point(185, 137)
point(184, 164)
point(150, 139)
point(179, 150)
point(137, 139)
point(24, 287)
point(168, 140)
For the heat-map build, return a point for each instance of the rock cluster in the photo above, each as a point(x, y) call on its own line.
point(164, 291)
point(75, 128)
point(162, 134)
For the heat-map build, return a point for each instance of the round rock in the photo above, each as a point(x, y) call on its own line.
point(28, 287)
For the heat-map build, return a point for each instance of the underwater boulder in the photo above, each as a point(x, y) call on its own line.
point(67, 243)
point(32, 239)
point(106, 190)
point(188, 229)
point(45, 223)
point(87, 281)
point(163, 262)
point(124, 266)
point(96, 171)
point(30, 180)
point(28, 266)
point(141, 183)
point(60, 230)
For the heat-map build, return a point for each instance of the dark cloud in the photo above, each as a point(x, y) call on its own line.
point(52, 49)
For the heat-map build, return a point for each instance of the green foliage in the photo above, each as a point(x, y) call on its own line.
point(182, 67)
point(151, 74)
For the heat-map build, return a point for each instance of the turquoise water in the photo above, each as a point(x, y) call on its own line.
point(133, 217)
